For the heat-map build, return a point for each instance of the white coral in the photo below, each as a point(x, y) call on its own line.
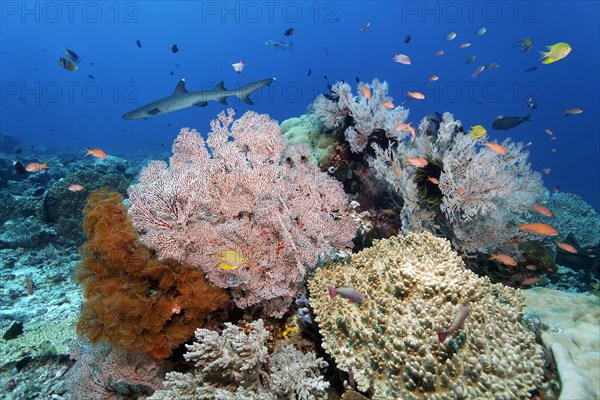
point(237, 365)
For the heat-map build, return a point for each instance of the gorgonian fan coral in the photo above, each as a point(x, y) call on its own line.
point(479, 195)
point(252, 215)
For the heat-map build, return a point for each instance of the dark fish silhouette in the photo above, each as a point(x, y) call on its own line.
point(288, 32)
point(19, 168)
point(407, 39)
point(505, 123)
point(72, 55)
point(531, 69)
point(138, 43)
point(91, 76)
point(174, 48)
point(309, 72)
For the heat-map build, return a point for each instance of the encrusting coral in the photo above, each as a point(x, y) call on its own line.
point(241, 196)
point(414, 286)
point(131, 298)
point(237, 364)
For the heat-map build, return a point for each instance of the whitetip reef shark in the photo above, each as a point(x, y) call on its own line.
point(181, 99)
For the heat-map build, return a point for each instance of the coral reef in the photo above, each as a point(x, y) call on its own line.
point(571, 334)
point(570, 215)
point(106, 372)
point(237, 364)
point(363, 120)
point(413, 286)
point(245, 196)
point(479, 195)
point(131, 298)
point(62, 209)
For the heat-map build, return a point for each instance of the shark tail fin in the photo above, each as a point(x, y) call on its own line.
point(223, 100)
point(246, 99)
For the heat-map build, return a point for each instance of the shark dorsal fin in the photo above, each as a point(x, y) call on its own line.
point(180, 88)
point(220, 86)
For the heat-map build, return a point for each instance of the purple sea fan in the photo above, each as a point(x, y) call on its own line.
point(243, 192)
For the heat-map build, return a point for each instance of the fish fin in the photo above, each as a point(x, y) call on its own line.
point(154, 111)
point(223, 100)
point(246, 99)
point(291, 43)
point(332, 292)
point(88, 152)
point(549, 60)
point(200, 103)
point(442, 336)
point(180, 88)
point(526, 118)
point(220, 86)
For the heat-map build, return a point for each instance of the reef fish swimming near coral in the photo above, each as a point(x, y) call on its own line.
point(505, 123)
point(459, 318)
point(347, 292)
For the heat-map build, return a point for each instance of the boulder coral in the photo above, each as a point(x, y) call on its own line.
point(414, 286)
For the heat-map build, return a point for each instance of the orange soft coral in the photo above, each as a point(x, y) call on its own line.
point(133, 299)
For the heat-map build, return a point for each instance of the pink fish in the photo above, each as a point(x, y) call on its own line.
point(461, 314)
point(347, 292)
point(238, 66)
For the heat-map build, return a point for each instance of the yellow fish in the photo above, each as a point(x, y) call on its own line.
point(230, 259)
point(556, 52)
point(477, 131)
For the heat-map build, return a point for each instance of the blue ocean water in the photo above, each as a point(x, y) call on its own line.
point(128, 59)
point(45, 105)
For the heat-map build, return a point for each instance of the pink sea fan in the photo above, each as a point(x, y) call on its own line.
point(242, 191)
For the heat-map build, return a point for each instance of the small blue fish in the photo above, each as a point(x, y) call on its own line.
point(278, 45)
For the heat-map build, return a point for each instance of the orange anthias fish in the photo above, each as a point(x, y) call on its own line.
point(406, 127)
point(76, 188)
point(531, 281)
point(36, 167)
point(418, 162)
point(504, 259)
point(365, 91)
point(542, 210)
point(433, 180)
point(539, 229)
point(96, 153)
point(434, 78)
point(417, 95)
point(389, 105)
point(567, 247)
point(495, 147)
point(402, 59)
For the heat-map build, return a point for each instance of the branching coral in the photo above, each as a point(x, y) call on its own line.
point(413, 287)
point(480, 194)
point(238, 365)
point(131, 298)
point(244, 195)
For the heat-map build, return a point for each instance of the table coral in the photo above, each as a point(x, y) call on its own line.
point(413, 286)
